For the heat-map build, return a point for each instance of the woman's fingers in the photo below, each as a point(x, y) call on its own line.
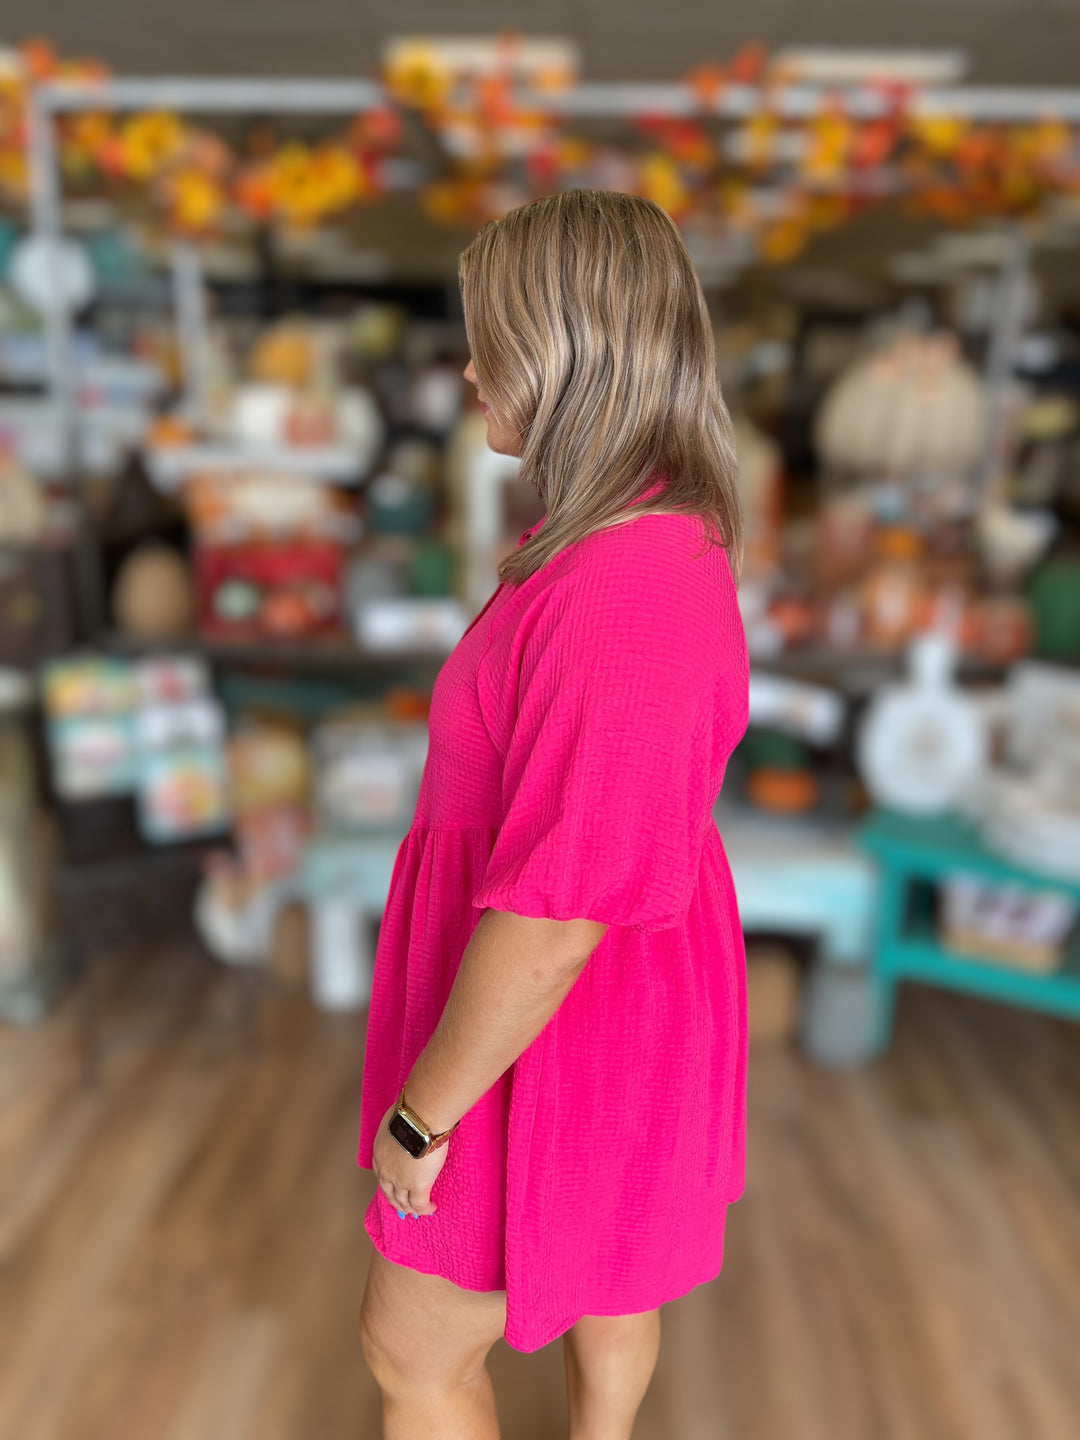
point(398, 1198)
point(409, 1201)
point(412, 1202)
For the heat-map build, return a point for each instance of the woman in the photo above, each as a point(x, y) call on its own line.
point(554, 1084)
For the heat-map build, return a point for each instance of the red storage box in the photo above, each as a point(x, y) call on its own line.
point(262, 589)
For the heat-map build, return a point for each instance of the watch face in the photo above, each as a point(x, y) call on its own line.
point(407, 1136)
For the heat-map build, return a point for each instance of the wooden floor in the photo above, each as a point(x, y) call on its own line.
point(182, 1253)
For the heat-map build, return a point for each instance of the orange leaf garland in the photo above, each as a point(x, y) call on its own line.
point(39, 59)
point(661, 182)
point(380, 130)
point(504, 145)
point(148, 143)
point(83, 140)
point(196, 201)
point(759, 136)
point(873, 144)
point(940, 135)
point(830, 137)
point(417, 77)
point(784, 240)
point(749, 64)
point(708, 83)
point(737, 204)
point(254, 192)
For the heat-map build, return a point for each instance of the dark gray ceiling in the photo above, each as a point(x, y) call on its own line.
point(1010, 41)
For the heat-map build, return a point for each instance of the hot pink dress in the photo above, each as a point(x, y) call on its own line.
point(579, 734)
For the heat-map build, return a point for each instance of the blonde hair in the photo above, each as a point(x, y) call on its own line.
point(591, 339)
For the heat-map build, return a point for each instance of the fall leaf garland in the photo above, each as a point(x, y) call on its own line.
point(780, 179)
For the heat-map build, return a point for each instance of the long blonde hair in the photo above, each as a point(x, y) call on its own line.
point(591, 338)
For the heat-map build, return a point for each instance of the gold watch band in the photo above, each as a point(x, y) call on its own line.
point(434, 1141)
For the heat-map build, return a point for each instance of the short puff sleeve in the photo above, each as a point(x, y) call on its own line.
point(602, 710)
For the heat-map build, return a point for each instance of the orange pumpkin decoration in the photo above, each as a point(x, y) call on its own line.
point(894, 592)
point(789, 792)
point(404, 704)
point(170, 430)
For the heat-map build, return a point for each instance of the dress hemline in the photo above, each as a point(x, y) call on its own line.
point(529, 1347)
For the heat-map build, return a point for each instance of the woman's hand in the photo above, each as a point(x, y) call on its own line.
point(406, 1182)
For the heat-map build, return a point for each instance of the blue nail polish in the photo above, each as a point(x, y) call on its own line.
point(401, 1214)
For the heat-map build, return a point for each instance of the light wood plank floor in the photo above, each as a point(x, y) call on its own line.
point(182, 1253)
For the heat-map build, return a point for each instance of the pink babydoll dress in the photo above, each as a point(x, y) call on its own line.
point(579, 734)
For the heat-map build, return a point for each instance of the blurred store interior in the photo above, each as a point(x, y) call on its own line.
point(246, 512)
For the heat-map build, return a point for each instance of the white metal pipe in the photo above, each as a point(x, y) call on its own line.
point(589, 98)
point(227, 94)
point(796, 102)
point(1005, 336)
point(46, 223)
point(983, 102)
point(192, 330)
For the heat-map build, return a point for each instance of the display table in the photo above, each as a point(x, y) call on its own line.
point(804, 877)
point(914, 856)
point(801, 876)
point(344, 883)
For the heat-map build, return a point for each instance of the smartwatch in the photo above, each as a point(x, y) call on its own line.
point(412, 1134)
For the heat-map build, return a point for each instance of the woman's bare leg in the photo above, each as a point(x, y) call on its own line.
point(426, 1341)
point(610, 1360)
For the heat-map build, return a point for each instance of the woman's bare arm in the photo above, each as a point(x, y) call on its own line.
point(514, 975)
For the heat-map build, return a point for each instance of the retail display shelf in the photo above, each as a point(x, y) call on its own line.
point(918, 955)
point(946, 845)
point(915, 854)
point(333, 653)
point(858, 671)
point(170, 466)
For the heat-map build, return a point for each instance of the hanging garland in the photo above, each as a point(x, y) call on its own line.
point(188, 170)
point(778, 180)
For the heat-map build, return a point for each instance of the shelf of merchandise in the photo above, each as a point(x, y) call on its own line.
point(170, 466)
point(916, 853)
point(338, 653)
point(860, 671)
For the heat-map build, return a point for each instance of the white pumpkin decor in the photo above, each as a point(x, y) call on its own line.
point(914, 407)
point(294, 397)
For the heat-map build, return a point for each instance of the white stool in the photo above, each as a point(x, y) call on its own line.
point(345, 882)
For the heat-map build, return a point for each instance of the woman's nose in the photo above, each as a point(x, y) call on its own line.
point(470, 374)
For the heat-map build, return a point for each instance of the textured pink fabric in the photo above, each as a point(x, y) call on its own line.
point(579, 735)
